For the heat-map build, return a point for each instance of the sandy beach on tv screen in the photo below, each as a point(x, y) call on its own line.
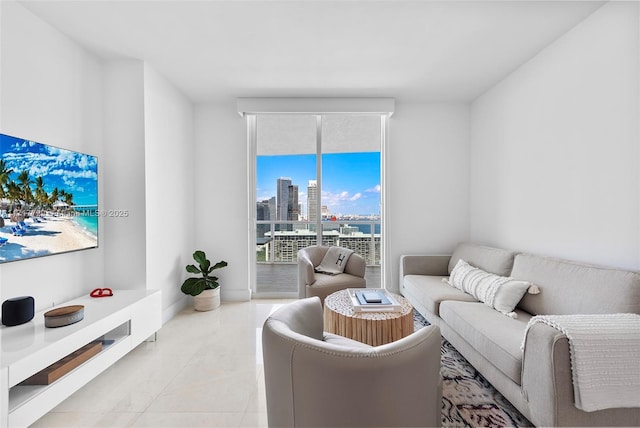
point(50, 236)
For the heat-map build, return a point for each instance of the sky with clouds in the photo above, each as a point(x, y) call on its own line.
point(350, 181)
point(73, 172)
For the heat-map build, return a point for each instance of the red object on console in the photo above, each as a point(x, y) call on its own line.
point(101, 292)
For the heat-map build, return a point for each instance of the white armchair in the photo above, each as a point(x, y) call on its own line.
point(311, 283)
point(319, 379)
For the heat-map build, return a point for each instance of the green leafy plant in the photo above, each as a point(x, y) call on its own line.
point(196, 285)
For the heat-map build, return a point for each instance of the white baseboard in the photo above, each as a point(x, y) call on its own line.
point(225, 296)
point(172, 310)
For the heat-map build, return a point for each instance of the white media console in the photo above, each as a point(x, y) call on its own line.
point(127, 318)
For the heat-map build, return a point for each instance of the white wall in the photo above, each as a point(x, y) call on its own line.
point(148, 150)
point(54, 92)
point(555, 147)
point(169, 194)
point(220, 207)
point(427, 180)
point(124, 167)
point(50, 92)
point(428, 163)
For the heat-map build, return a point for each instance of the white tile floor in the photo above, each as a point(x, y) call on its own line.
point(204, 370)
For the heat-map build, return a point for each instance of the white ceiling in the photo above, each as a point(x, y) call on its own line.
point(410, 50)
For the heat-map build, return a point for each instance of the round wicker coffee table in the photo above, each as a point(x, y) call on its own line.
point(373, 328)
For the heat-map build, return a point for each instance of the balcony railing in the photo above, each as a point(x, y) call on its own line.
point(279, 241)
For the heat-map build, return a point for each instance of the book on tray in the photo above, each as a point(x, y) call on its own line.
point(369, 300)
point(372, 298)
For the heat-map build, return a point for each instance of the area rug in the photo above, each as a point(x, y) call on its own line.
point(468, 399)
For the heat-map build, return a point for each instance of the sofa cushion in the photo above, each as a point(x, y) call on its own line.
point(494, 260)
point(496, 337)
point(501, 293)
point(573, 288)
point(431, 290)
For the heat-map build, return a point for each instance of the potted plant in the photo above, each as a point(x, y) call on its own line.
point(205, 288)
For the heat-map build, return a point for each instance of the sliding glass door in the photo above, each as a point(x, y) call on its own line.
point(351, 177)
point(317, 180)
point(285, 162)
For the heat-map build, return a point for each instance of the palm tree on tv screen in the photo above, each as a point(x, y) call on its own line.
point(25, 187)
point(14, 191)
point(41, 195)
point(68, 199)
point(4, 178)
point(55, 194)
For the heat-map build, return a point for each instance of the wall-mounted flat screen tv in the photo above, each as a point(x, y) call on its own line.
point(48, 200)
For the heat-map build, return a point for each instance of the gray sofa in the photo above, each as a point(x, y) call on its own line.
point(539, 382)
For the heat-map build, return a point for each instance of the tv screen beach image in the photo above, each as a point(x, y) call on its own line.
point(48, 200)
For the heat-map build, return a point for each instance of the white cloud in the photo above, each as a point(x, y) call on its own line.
point(55, 161)
point(83, 162)
point(333, 200)
point(37, 170)
point(374, 189)
point(73, 174)
point(70, 182)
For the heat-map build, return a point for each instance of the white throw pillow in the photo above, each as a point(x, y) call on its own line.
point(334, 261)
point(499, 292)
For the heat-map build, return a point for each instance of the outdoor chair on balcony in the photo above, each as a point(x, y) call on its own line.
point(312, 283)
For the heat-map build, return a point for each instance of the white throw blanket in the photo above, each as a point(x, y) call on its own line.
point(334, 260)
point(605, 357)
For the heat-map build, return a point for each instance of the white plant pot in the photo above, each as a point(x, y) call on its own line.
point(207, 300)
